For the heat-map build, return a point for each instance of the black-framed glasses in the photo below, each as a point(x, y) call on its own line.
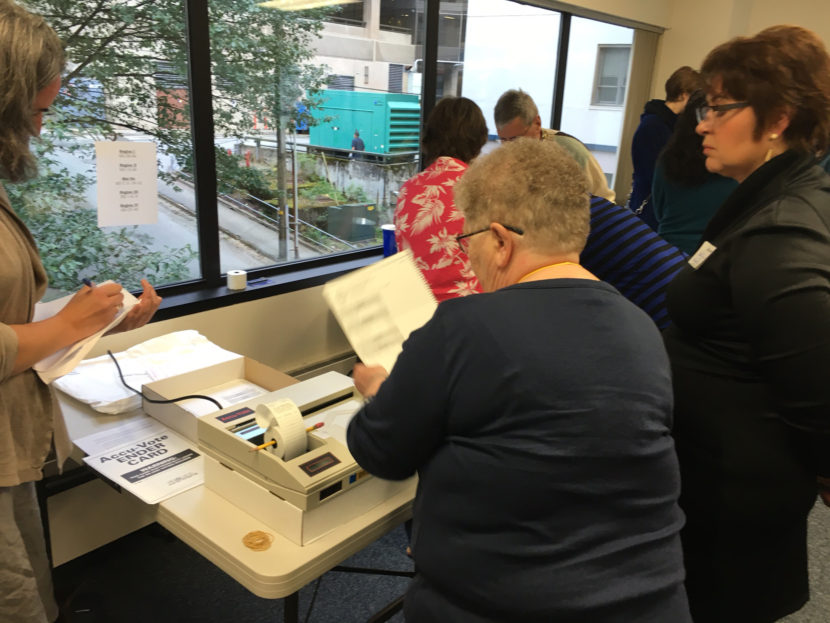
point(463, 239)
point(703, 111)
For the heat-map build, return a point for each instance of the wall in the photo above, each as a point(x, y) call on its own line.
point(358, 51)
point(380, 182)
point(695, 28)
point(651, 12)
point(287, 332)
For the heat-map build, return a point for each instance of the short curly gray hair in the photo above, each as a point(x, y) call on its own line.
point(534, 185)
point(31, 57)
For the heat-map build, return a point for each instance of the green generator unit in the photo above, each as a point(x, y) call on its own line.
point(389, 123)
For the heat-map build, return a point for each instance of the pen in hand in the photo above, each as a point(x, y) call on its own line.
point(87, 282)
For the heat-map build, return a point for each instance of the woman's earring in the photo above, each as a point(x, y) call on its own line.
point(768, 156)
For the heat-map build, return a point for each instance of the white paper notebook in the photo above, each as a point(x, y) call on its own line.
point(65, 360)
point(380, 305)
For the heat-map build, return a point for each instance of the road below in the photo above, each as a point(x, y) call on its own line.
point(243, 243)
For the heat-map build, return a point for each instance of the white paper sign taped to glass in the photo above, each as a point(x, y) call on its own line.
point(126, 177)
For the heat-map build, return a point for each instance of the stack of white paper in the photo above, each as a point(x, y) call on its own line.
point(380, 305)
point(96, 383)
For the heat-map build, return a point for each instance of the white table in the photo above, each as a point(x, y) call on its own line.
point(214, 527)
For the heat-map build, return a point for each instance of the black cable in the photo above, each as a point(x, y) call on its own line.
point(313, 598)
point(153, 400)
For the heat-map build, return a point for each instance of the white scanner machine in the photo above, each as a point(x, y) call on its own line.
point(322, 478)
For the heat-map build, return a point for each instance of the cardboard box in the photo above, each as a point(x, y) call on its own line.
point(293, 523)
point(197, 381)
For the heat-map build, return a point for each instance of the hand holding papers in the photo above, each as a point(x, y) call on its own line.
point(64, 360)
point(380, 305)
point(368, 379)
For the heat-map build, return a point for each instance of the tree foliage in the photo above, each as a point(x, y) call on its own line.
point(128, 65)
point(235, 177)
point(127, 73)
point(73, 247)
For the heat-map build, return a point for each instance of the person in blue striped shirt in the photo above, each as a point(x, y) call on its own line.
point(625, 252)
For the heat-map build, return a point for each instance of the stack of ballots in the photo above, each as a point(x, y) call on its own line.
point(96, 383)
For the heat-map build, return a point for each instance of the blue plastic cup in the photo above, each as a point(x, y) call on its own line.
point(389, 245)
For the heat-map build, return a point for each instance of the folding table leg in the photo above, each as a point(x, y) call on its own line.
point(291, 608)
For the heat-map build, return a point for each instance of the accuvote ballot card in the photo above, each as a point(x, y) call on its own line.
point(153, 467)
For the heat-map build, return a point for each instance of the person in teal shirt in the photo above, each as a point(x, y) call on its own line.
point(684, 194)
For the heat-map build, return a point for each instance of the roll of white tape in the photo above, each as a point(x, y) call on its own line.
point(237, 279)
point(284, 425)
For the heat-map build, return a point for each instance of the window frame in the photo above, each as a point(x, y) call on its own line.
point(210, 291)
point(619, 100)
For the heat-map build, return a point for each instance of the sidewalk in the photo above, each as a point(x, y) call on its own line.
point(262, 240)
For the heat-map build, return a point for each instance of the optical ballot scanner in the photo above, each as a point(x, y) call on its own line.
point(307, 482)
point(306, 468)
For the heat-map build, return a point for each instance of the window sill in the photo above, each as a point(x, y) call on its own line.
point(185, 299)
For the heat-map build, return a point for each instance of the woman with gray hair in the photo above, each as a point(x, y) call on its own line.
point(31, 59)
point(537, 417)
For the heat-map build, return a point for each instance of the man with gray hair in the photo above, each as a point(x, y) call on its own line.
point(516, 116)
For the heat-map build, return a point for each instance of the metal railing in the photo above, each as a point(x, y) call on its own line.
point(267, 141)
point(273, 222)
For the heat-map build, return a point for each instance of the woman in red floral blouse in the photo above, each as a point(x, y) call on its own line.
point(426, 219)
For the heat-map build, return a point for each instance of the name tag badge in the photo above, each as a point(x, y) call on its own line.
point(701, 255)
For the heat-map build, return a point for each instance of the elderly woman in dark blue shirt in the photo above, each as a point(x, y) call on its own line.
point(537, 417)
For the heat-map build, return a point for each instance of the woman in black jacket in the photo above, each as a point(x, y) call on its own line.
point(750, 344)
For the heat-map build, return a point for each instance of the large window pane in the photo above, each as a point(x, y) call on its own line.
point(291, 89)
point(595, 86)
point(289, 92)
point(125, 81)
point(500, 35)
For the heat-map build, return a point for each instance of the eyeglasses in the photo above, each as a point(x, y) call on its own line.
point(513, 138)
point(703, 111)
point(464, 243)
point(45, 113)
